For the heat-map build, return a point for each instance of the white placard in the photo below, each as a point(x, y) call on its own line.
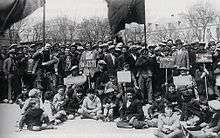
point(182, 80)
point(215, 104)
point(124, 76)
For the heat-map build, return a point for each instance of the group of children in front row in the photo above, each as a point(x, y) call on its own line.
point(44, 112)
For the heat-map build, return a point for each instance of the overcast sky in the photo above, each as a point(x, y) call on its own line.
point(78, 9)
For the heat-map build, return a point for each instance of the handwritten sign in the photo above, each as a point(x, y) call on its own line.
point(215, 104)
point(124, 76)
point(204, 58)
point(88, 64)
point(182, 80)
point(167, 62)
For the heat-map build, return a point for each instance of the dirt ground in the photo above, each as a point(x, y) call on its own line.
point(77, 128)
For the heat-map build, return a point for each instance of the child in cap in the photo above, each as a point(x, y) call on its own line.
point(22, 98)
point(59, 102)
point(109, 104)
point(55, 117)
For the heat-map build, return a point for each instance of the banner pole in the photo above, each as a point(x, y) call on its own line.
point(145, 27)
point(206, 86)
point(44, 24)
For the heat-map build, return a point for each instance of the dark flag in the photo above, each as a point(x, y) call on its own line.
point(121, 12)
point(12, 11)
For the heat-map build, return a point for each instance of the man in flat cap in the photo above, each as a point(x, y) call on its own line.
point(181, 56)
point(11, 74)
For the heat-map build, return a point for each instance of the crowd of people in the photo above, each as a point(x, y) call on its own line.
point(53, 83)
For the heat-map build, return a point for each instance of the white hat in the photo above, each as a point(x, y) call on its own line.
point(73, 68)
point(102, 62)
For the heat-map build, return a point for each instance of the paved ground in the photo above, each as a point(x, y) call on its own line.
point(75, 128)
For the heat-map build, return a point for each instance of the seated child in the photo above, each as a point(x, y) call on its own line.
point(59, 98)
point(34, 95)
point(131, 112)
point(108, 105)
point(49, 109)
point(91, 107)
point(73, 102)
point(33, 117)
point(22, 98)
point(169, 123)
point(58, 103)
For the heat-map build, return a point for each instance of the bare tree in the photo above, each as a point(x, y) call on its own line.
point(199, 16)
point(93, 30)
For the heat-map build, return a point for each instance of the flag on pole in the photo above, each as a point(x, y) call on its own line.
point(121, 12)
point(12, 11)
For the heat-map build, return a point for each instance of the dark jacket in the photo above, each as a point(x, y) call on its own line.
point(134, 110)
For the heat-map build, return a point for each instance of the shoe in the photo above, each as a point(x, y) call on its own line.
point(10, 102)
point(5, 100)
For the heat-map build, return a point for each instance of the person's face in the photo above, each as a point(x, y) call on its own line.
point(168, 111)
point(124, 50)
point(179, 45)
point(79, 94)
point(100, 50)
point(101, 67)
point(91, 95)
point(47, 48)
point(37, 105)
point(126, 67)
point(24, 91)
point(61, 91)
point(169, 43)
point(171, 89)
point(67, 51)
point(11, 55)
point(183, 72)
point(74, 72)
point(129, 96)
point(73, 49)
point(25, 50)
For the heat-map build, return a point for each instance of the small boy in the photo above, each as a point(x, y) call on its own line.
point(59, 98)
point(22, 98)
point(108, 105)
point(49, 110)
point(32, 114)
point(91, 107)
point(73, 102)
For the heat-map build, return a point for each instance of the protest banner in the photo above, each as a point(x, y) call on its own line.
point(124, 76)
point(167, 62)
point(182, 80)
point(90, 63)
point(204, 58)
point(214, 104)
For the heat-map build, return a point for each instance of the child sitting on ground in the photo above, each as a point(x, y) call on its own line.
point(22, 98)
point(49, 109)
point(33, 115)
point(169, 123)
point(108, 105)
point(73, 102)
point(59, 102)
point(91, 107)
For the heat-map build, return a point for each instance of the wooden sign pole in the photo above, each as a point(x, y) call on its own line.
point(206, 86)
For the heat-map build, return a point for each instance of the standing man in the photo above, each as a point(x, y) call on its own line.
point(11, 74)
point(181, 56)
point(111, 61)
